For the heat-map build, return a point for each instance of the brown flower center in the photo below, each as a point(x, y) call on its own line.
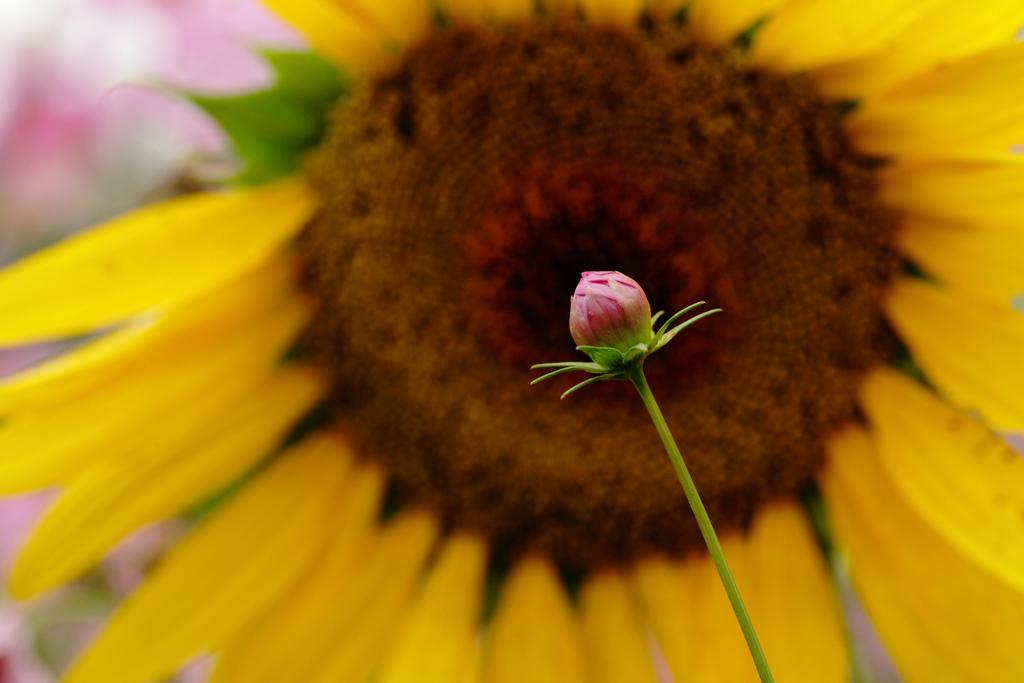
point(464, 194)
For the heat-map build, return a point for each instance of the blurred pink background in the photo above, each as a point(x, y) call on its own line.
point(87, 125)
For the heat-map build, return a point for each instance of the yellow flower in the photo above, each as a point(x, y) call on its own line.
point(480, 137)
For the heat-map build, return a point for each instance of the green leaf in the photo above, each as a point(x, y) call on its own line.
point(307, 78)
point(272, 129)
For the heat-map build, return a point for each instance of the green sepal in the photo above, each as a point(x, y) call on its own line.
point(574, 365)
point(272, 129)
point(569, 367)
point(634, 354)
point(599, 378)
point(670, 335)
point(676, 317)
point(553, 374)
point(605, 356)
point(563, 364)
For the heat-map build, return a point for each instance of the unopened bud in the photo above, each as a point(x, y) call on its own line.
point(610, 309)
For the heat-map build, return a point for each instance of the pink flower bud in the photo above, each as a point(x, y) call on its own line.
point(610, 309)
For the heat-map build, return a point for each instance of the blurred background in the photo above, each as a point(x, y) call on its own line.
point(91, 125)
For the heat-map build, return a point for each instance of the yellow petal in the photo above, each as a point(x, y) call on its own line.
point(722, 653)
point(509, 10)
point(968, 110)
point(720, 22)
point(956, 30)
point(151, 341)
point(619, 12)
point(337, 35)
point(222, 575)
point(48, 446)
point(809, 34)
point(664, 589)
point(473, 671)
point(405, 544)
point(156, 256)
point(987, 261)
point(942, 618)
point(785, 586)
point(440, 636)
point(970, 349)
point(404, 21)
point(476, 11)
point(615, 643)
point(337, 625)
point(962, 479)
point(955, 192)
point(297, 634)
point(110, 500)
point(534, 635)
point(558, 8)
point(796, 611)
point(665, 9)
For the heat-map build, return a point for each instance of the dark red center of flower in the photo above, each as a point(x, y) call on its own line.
point(463, 196)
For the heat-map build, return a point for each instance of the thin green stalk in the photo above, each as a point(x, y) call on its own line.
point(636, 375)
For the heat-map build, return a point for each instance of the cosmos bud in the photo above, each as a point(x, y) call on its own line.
point(610, 309)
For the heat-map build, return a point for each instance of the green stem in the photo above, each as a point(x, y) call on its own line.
point(636, 375)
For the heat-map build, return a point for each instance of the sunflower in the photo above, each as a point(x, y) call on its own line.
point(329, 370)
